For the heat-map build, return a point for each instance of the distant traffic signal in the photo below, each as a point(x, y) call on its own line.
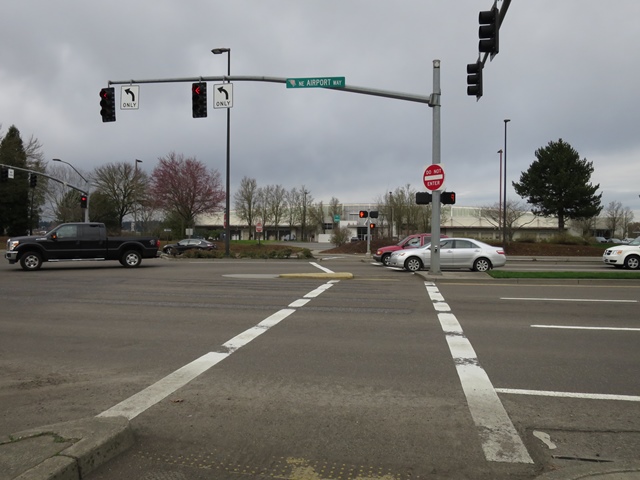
point(199, 99)
point(4, 174)
point(423, 198)
point(448, 198)
point(363, 214)
point(373, 214)
point(489, 31)
point(372, 226)
point(33, 180)
point(474, 79)
point(108, 104)
point(83, 201)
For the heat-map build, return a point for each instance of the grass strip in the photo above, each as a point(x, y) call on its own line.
point(560, 275)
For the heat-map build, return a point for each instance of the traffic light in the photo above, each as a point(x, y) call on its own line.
point(373, 214)
point(108, 104)
point(363, 214)
point(199, 99)
point(83, 201)
point(423, 198)
point(489, 30)
point(474, 79)
point(33, 180)
point(4, 174)
point(372, 226)
point(448, 198)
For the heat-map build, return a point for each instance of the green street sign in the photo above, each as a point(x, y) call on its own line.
point(316, 82)
point(336, 218)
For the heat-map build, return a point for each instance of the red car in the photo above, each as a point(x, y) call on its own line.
point(412, 241)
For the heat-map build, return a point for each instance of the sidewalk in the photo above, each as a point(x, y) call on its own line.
point(64, 451)
point(72, 450)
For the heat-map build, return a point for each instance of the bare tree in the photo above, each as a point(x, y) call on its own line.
point(277, 207)
point(122, 184)
point(514, 211)
point(613, 216)
point(246, 199)
point(627, 218)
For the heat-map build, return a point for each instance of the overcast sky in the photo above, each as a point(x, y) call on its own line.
point(566, 69)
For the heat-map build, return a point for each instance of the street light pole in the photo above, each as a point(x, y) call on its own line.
point(227, 235)
point(86, 210)
point(504, 203)
point(500, 194)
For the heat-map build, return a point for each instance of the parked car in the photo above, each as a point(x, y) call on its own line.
point(383, 254)
point(627, 256)
point(600, 239)
point(188, 244)
point(614, 240)
point(454, 253)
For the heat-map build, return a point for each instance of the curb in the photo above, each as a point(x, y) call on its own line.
point(64, 451)
point(618, 471)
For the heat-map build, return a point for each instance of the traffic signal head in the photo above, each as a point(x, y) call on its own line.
point(33, 180)
point(448, 198)
point(108, 104)
point(474, 79)
point(363, 214)
point(199, 99)
point(423, 198)
point(489, 31)
point(373, 214)
point(83, 201)
point(372, 226)
point(4, 174)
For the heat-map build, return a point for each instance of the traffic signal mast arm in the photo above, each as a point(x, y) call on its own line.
point(83, 190)
point(431, 100)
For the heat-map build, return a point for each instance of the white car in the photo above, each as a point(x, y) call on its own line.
point(627, 256)
point(454, 253)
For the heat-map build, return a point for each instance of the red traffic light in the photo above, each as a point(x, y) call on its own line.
point(372, 226)
point(363, 214)
point(83, 201)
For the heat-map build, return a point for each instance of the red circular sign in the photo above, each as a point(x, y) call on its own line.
point(258, 227)
point(433, 177)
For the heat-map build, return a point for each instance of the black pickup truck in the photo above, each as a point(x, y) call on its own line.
point(79, 241)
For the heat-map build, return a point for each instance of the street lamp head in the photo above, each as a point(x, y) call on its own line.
point(507, 120)
point(218, 51)
point(56, 159)
point(499, 151)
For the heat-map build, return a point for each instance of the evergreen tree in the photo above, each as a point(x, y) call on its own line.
point(14, 193)
point(557, 183)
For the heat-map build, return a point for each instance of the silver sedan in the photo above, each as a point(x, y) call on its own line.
point(454, 253)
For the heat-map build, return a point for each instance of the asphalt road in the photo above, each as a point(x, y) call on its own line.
point(381, 376)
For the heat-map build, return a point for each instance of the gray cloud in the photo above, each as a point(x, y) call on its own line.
point(565, 70)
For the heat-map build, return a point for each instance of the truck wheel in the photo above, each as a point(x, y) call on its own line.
point(131, 258)
point(31, 261)
point(385, 259)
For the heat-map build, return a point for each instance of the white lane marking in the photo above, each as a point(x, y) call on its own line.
point(498, 436)
point(587, 396)
point(145, 399)
point(325, 270)
point(299, 303)
point(622, 329)
point(545, 438)
point(568, 300)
